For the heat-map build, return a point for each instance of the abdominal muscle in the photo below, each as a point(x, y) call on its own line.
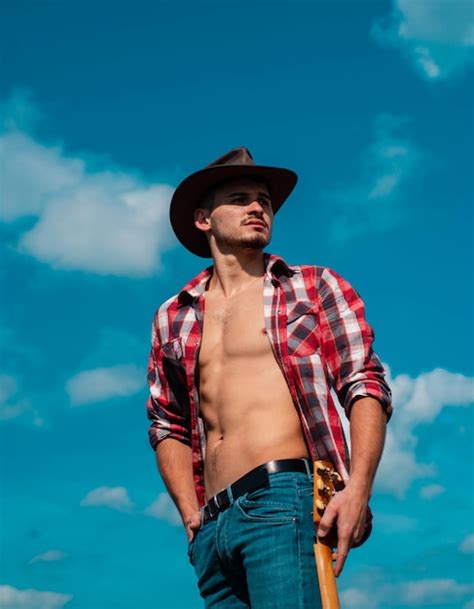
point(247, 408)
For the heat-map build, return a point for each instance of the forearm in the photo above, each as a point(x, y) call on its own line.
point(174, 460)
point(367, 429)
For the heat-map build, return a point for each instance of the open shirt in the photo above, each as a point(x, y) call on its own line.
point(315, 322)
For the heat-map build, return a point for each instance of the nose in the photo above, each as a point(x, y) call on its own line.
point(255, 206)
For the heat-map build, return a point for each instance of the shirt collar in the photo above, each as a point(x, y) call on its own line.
point(275, 268)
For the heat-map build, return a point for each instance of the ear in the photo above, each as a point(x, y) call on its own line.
point(201, 219)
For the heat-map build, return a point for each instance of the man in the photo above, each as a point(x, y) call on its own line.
point(240, 372)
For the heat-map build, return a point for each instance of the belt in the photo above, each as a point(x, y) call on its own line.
point(252, 480)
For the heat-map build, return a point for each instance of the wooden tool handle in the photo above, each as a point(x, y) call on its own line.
point(325, 482)
point(326, 577)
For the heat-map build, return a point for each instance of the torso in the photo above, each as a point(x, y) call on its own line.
point(246, 405)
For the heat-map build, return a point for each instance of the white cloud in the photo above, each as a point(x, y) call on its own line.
point(467, 546)
point(430, 392)
point(49, 556)
point(399, 467)
point(432, 592)
point(416, 400)
point(115, 498)
point(435, 35)
point(164, 509)
point(107, 221)
point(13, 598)
point(431, 490)
point(12, 404)
point(421, 593)
point(397, 523)
point(102, 384)
point(32, 173)
point(353, 598)
point(372, 203)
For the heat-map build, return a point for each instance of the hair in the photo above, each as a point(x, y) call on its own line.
point(209, 197)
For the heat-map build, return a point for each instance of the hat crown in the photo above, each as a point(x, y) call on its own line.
point(236, 156)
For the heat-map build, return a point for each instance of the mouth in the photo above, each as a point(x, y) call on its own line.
point(258, 223)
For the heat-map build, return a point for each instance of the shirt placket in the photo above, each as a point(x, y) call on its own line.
point(276, 320)
point(192, 376)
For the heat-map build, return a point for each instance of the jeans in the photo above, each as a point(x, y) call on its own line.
point(258, 552)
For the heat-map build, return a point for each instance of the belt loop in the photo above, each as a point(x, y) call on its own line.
point(201, 516)
point(308, 468)
point(229, 494)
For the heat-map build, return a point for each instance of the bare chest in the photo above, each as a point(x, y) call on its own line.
point(234, 327)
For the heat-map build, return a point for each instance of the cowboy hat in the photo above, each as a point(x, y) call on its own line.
point(236, 163)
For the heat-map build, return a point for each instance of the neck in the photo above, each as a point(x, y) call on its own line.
point(234, 271)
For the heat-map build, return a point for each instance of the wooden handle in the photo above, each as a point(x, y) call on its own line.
point(325, 479)
point(326, 577)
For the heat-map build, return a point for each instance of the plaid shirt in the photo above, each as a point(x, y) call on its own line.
point(316, 326)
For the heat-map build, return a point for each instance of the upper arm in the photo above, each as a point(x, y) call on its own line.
point(347, 344)
point(168, 404)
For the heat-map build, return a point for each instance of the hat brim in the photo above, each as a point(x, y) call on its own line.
point(189, 193)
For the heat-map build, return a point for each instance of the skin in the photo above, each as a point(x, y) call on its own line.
point(347, 509)
point(235, 346)
point(246, 406)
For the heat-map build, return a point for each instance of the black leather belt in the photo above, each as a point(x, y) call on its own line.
point(251, 481)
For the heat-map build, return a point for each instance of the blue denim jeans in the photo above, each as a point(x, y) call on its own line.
point(258, 552)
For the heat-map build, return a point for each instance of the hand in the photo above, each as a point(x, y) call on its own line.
point(192, 524)
point(347, 511)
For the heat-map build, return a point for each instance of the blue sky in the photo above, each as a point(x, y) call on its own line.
point(105, 107)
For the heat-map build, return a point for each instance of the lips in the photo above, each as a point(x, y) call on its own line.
point(256, 223)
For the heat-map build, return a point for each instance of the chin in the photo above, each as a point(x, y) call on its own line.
point(255, 244)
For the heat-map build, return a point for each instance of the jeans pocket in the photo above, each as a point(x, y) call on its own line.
point(191, 547)
point(305, 491)
point(267, 510)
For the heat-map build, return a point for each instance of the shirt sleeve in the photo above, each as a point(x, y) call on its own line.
point(346, 345)
point(169, 415)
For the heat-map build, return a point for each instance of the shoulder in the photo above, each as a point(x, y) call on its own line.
point(170, 315)
point(314, 273)
point(163, 316)
point(293, 270)
point(320, 282)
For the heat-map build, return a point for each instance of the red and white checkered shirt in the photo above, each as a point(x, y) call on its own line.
point(315, 322)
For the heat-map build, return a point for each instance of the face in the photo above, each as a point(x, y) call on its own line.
point(241, 217)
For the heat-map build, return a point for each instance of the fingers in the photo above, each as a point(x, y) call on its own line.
point(346, 537)
point(359, 531)
point(327, 521)
point(191, 532)
point(349, 517)
point(341, 554)
point(345, 542)
point(358, 536)
point(192, 524)
point(193, 520)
